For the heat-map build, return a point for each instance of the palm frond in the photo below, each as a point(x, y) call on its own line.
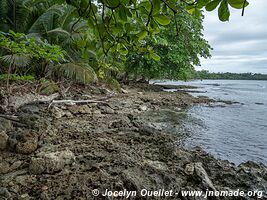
point(13, 15)
point(17, 60)
point(46, 21)
point(4, 9)
point(59, 32)
point(67, 18)
point(80, 72)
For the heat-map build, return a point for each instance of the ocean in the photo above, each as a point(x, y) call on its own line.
point(236, 132)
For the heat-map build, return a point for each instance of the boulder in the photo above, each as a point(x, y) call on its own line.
point(107, 110)
point(29, 119)
point(32, 109)
point(3, 140)
point(15, 165)
point(80, 109)
point(4, 167)
point(5, 125)
point(58, 112)
point(120, 124)
point(48, 88)
point(5, 193)
point(51, 162)
point(202, 174)
point(28, 143)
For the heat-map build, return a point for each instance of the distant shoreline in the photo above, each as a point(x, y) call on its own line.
point(228, 76)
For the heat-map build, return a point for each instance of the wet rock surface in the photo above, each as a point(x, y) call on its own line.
point(69, 150)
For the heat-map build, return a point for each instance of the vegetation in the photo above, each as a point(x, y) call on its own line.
point(87, 41)
point(15, 77)
point(178, 49)
point(229, 76)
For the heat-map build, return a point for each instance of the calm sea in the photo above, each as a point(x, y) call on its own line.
point(235, 132)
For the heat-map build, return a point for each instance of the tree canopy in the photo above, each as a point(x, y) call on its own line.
point(104, 38)
point(177, 47)
point(117, 24)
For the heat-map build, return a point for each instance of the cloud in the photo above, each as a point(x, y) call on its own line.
point(239, 45)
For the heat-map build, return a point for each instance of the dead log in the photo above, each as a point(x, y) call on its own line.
point(16, 102)
point(74, 102)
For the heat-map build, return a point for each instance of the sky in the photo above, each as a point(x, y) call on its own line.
point(239, 45)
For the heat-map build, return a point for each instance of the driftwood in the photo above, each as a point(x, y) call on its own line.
point(102, 100)
point(73, 102)
point(19, 101)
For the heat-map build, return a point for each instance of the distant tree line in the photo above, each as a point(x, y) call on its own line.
point(204, 74)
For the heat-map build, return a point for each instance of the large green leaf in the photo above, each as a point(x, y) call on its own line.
point(156, 6)
point(123, 13)
point(155, 56)
point(122, 50)
point(202, 3)
point(223, 11)
point(113, 3)
point(238, 4)
point(142, 35)
point(212, 5)
point(162, 19)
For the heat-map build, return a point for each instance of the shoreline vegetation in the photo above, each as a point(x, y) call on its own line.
point(204, 74)
point(84, 138)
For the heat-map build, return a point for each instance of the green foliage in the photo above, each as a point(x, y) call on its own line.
point(238, 4)
point(113, 83)
point(80, 72)
point(212, 5)
point(47, 87)
point(13, 15)
point(117, 24)
point(16, 77)
point(19, 44)
point(28, 54)
point(106, 37)
point(223, 10)
point(177, 50)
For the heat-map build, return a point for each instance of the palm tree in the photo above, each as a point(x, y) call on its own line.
point(54, 22)
point(13, 15)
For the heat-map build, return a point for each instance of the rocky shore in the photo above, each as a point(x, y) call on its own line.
point(67, 150)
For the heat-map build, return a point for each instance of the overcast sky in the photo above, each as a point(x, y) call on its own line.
point(239, 45)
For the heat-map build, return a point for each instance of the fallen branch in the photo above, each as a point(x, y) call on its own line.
point(73, 102)
point(19, 101)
